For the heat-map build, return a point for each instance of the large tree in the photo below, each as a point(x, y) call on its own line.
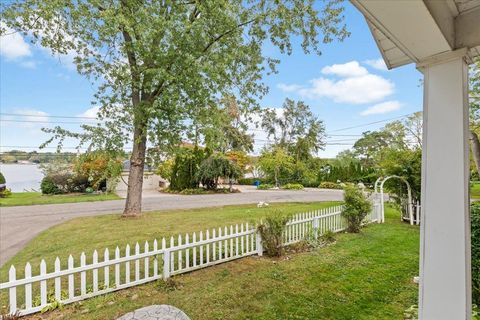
point(157, 62)
point(295, 128)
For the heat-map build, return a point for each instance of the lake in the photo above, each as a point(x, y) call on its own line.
point(22, 177)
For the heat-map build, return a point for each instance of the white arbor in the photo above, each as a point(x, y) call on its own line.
point(382, 181)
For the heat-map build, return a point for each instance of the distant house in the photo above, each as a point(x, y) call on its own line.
point(151, 180)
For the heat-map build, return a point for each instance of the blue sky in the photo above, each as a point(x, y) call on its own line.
point(346, 86)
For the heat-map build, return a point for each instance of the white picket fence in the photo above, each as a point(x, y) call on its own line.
point(33, 293)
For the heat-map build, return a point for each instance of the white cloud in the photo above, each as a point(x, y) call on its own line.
point(12, 44)
point(378, 64)
point(381, 108)
point(355, 90)
point(349, 69)
point(90, 113)
point(288, 87)
point(355, 86)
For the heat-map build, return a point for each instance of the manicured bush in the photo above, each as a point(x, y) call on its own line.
point(475, 225)
point(48, 186)
point(265, 186)
point(356, 209)
point(293, 186)
point(271, 230)
point(329, 185)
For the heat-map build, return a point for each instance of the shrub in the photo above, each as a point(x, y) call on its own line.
point(271, 230)
point(328, 236)
point(329, 185)
point(265, 186)
point(193, 191)
point(356, 209)
point(2, 179)
point(293, 186)
point(48, 186)
point(5, 193)
point(475, 225)
point(77, 183)
point(249, 181)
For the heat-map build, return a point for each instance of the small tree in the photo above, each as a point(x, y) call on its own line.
point(186, 164)
point(98, 166)
point(275, 163)
point(356, 209)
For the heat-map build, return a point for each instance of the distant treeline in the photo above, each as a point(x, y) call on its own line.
point(14, 156)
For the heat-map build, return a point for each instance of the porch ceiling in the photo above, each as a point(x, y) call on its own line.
point(409, 31)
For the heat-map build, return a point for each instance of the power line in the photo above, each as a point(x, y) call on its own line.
point(370, 123)
point(50, 122)
point(44, 116)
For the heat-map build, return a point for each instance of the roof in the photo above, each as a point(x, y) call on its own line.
point(413, 31)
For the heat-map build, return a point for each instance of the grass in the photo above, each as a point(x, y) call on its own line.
point(31, 198)
point(362, 276)
point(475, 191)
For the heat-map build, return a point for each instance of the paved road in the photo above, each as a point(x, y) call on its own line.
point(18, 225)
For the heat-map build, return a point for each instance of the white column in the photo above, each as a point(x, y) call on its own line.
point(445, 274)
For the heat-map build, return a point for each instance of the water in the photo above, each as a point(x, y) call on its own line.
point(22, 177)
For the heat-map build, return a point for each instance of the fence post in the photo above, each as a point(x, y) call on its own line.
point(315, 227)
point(259, 244)
point(166, 264)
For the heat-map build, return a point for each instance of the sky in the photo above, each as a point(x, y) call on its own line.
point(347, 86)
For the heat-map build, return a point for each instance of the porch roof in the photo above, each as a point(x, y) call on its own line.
point(416, 31)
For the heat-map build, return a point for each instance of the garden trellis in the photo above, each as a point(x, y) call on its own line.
point(410, 210)
point(151, 261)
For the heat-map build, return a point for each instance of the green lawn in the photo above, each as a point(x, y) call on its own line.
point(31, 198)
point(475, 191)
point(362, 276)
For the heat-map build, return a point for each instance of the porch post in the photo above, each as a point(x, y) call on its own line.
point(445, 274)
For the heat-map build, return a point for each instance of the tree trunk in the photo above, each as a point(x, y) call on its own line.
point(475, 150)
point(133, 204)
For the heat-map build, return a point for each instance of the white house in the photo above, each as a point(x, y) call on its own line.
point(441, 37)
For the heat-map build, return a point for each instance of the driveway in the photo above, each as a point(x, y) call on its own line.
point(18, 225)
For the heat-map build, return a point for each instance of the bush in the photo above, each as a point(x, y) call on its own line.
point(193, 191)
point(249, 181)
point(271, 230)
point(5, 193)
point(293, 186)
point(475, 225)
point(48, 186)
point(3, 186)
point(329, 185)
point(356, 209)
point(265, 186)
